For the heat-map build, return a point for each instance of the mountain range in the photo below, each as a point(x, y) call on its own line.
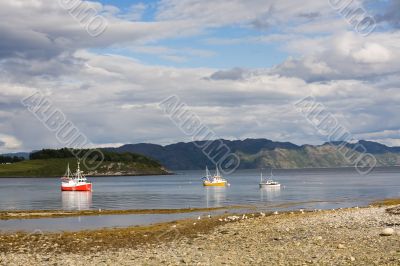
point(262, 153)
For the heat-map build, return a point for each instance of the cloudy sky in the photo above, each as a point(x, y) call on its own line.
point(238, 64)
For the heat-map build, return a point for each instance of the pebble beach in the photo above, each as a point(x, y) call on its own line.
point(356, 236)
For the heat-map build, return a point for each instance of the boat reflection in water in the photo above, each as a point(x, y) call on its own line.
point(74, 200)
point(269, 193)
point(215, 196)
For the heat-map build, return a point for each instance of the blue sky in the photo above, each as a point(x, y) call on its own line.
point(244, 54)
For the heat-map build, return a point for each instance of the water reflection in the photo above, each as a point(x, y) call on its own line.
point(269, 193)
point(74, 200)
point(215, 196)
point(154, 192)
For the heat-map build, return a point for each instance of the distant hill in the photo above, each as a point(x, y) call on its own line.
point(48, 163)
point(134, 159)
point(259, 153)
point(25, 155)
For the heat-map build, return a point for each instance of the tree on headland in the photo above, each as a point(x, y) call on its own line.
point(10, 159)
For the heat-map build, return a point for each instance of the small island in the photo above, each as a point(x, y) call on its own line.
point(52, 163)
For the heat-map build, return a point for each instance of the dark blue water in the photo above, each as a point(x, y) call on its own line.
point(312, 188)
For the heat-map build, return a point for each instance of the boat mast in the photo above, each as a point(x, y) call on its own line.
point(78, 171)
point(216, 167)
point(68, 172)
point(208, 175)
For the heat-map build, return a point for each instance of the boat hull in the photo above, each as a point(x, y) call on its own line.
point(217, 184)
point(269, 185)
point(83, 187)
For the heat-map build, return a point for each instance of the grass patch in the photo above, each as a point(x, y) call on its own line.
point(386, 202)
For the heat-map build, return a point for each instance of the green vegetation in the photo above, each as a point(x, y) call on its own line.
point(93, 154)
point(49, 163)
point(10, 159)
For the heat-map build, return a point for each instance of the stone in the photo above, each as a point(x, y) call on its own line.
point(387, 232)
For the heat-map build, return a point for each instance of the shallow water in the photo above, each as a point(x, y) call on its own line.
point(308, 189)
point(89, 222)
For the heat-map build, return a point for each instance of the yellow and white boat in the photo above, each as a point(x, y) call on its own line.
point(214, 181)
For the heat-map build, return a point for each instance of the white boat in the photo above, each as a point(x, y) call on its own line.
point(214, 181)
point(268, 182)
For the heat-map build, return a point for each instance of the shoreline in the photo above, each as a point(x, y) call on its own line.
point(42, 214)
point(344, 236)
point(133, 175)
point(176, 172)
point(39, 214)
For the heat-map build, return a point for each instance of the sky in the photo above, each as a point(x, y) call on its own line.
point(239, 65)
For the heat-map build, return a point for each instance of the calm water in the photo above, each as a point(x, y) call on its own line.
point(90, 222)
point(316, 188)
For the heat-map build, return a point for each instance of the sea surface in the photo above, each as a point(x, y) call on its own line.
point(301, 188)
point(319, 188)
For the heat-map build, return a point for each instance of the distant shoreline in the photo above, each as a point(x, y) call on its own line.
point(176, 172)
point(89, 176)
point(299, 168)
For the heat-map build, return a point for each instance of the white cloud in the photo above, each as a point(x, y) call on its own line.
point(113, 99)
point(9, 143)
point(372, 53)
point(344, 55)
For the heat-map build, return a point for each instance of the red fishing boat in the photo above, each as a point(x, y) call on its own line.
point(75, 182)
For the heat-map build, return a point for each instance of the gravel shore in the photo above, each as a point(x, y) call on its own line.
point(340, 237)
